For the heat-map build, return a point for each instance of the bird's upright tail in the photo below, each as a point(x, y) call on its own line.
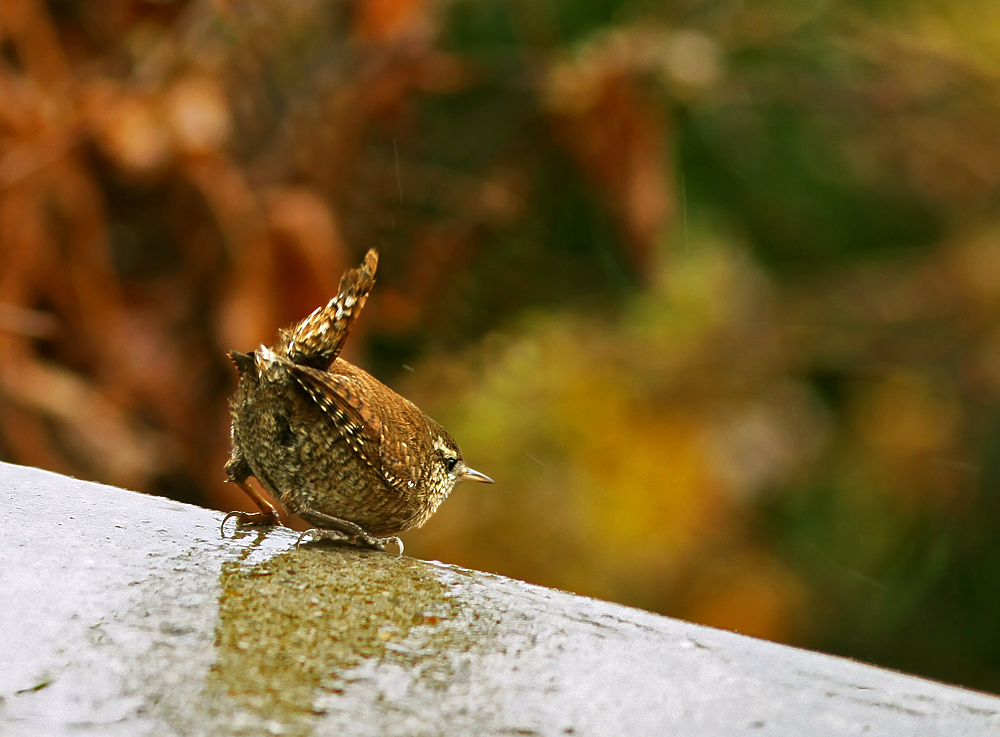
point(318, 339)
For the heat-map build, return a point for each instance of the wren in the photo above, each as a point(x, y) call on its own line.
point(330, 442)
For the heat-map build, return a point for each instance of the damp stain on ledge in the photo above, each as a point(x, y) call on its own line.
point(297, 623)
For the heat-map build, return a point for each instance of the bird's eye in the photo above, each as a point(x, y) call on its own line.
point(450, 464)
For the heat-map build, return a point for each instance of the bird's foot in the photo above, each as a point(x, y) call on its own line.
point(381, 542)
point(319, 534)
point(249, 518)
point(360, 538)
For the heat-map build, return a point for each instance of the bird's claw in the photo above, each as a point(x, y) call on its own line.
point(248, 518)
point(383, 541)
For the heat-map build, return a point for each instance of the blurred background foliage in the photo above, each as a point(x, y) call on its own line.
point(710, 287)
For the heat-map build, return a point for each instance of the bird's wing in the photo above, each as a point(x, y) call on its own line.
point(337, 396)
point(400, 449)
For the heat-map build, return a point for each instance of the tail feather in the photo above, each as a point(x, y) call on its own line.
point(318, 339)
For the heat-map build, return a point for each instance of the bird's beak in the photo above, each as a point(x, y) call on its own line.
point(476, 476)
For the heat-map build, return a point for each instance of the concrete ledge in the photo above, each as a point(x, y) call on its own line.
point(128, 614)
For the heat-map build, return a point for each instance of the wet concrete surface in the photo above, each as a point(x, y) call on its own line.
point(129, 614)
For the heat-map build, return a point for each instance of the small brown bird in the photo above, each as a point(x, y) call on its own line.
point(330, 442)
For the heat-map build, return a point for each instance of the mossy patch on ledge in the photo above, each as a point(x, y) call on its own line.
point(297, 622)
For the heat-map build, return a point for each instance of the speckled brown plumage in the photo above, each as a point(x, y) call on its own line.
point(329, 441)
